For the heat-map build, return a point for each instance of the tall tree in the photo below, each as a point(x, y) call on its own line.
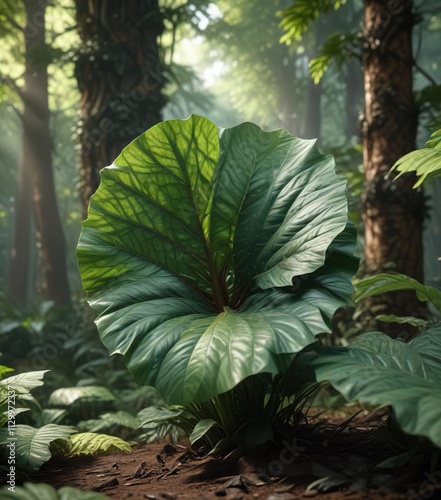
point(322, 39)
point(17, 275)
point(20, 253)
point(120, 78)
point(354, 98)
point(35, 174)
point(392, 211)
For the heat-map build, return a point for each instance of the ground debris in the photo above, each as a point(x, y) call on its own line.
point(142, 475)
point(110, 483)
point(142, 471)
point(160, 495)
point(282, 496)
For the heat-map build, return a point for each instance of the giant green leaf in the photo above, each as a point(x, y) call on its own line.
point(378, 370)
point(211, 254)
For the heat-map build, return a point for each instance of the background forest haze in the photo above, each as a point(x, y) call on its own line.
point(81, 79)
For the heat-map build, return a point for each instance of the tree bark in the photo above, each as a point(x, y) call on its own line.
point(392, 210)
point(37, 156)
point(120, 79)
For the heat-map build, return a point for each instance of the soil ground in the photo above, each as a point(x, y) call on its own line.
point(163, 471)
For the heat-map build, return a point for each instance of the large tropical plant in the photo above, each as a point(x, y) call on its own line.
point(212, 255)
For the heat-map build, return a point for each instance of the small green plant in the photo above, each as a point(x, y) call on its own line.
point(26, 447)
point(24, 330)
point(382, 372)
point(83, 402)
point(213, 256)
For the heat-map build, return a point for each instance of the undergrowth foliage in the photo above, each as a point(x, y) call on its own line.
point(27, 447)
point(64, 421)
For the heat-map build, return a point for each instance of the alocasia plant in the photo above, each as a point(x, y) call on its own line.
point(215, 254)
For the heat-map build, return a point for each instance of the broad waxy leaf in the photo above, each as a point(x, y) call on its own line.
point(212, 254)
point(378, 370)
point(66, 396)
point(151, 206)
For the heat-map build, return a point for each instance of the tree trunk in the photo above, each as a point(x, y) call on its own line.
point(354, 97)
point(19, 260)
point(37, 155)
point(120, 79)
point(392, 211)
point(313, 115)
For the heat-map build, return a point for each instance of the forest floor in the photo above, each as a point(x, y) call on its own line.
point(341, 457)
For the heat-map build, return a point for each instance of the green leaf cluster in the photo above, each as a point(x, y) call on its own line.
point(33, 446)
point(297, 18)
point(338, 48)
point(425, 163)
